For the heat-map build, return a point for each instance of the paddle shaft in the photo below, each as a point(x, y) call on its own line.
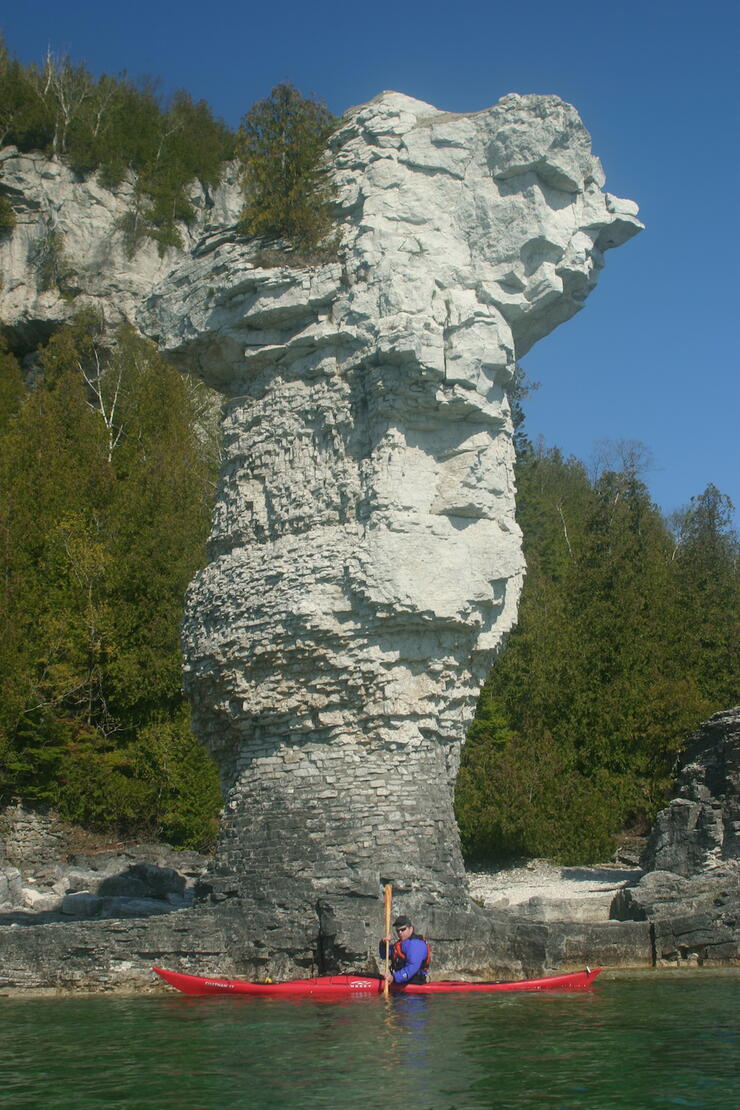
point(388, 899)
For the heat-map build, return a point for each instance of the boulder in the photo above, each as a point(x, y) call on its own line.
point(39, 901)
point(54, 883)
point(143, 880)
point(10, 886)
point(84, 906)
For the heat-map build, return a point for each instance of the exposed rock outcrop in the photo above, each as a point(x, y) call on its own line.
point(700, 829)
point(50, 871)
point(695, 920)
point(691, 893)
point(68, 249)
point(30, 837)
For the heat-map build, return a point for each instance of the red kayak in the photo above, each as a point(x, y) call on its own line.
point(342, 986)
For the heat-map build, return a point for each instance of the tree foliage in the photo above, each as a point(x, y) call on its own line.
point(627, 640)
point(106, 483)
point(114, 125)
point(281, 142)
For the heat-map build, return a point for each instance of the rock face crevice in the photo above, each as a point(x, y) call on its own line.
point(365, 561)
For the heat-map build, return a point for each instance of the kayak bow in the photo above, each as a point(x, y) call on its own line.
point(343, 986)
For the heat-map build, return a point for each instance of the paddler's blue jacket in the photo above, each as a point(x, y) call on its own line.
point(414, 953)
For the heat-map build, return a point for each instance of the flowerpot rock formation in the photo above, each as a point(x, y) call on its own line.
point(365, 563)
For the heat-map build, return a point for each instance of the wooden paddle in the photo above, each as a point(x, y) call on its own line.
point(388, 899)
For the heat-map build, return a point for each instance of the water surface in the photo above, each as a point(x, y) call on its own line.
point(633, 1044)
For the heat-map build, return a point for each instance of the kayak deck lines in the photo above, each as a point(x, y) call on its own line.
point(343, 986)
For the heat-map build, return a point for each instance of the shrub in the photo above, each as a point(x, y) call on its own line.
point(51, 262)
point(7, 216)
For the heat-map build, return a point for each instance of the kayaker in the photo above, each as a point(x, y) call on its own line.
point(409, 955)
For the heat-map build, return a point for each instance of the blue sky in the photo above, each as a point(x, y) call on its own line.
point(654, 354)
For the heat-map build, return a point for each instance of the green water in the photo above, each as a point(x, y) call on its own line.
point(671, 1042)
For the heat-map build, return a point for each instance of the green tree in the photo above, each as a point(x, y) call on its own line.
point(626, 641)
point(631, 706)
point(281, 141)
point(23, 115)
point(113, 125)
point(64, 88)
point(161, 506)
point(51, 475)
point(705, 564)
point(11, 385)
point(526, 798)
point(106, 482)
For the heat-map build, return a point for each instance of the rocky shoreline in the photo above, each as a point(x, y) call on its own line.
point(84, 915)
point(53, 873)
point(555, 920)
point(97, 920)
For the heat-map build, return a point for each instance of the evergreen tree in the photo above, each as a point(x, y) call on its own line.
point(281, 142)
point(705, 564)
point(626, 641)
point(11, 385)
point(105, 492)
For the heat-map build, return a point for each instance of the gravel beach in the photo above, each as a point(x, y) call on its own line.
point(540, 878)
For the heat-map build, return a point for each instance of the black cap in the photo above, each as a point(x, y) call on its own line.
point(400, 922)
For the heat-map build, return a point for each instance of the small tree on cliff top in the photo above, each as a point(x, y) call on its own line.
point(281, 142)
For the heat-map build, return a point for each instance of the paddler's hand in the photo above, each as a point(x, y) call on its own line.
point(387, 977)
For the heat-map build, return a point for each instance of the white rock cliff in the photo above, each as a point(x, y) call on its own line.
point(51, 200)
